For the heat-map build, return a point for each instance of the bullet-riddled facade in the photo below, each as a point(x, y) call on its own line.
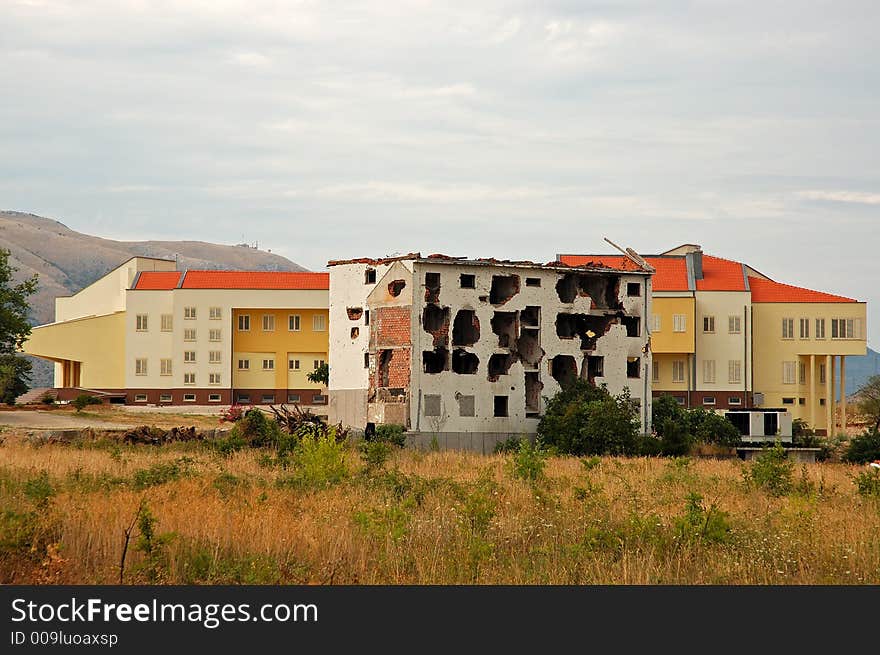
point(467, 350)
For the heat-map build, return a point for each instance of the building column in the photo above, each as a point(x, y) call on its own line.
point(833, 373)
point(812, 392)
point(829, 430)
point(843, 393)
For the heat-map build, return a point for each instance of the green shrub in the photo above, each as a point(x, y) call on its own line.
point(528, 461)
point(84, 400)
point(161, 473)
point(39, 490)
point(675, 440)
point(771, 471)
point(390, 433)
point(709, 427)
point(227, 484)
point(153, 546)
point(231, 443)
point(688, 426)
point(868, 483)
point(863, 448)
point(509, 445)
point(699, 523)
point(204, 565)
point(375, 453)
point(318, 462)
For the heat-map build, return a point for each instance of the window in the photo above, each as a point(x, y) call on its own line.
point(213, 378)
point(366, 360)
point(822, 373)
point(140, 397)
point(189, 378)
point(679, 323)
point(822, 401)
point(788, 401)
point(709, 371)
point(531, 282)
point(189, 356)
point(468, 281)
point(189, 313)
point(269, 364)
point(846, 328)
point(165, 398)
point(788, 328)
point(370, 276)
point(141, 323)
point(214, 335)
point(140, 366)
point(805, 328)
point(293, 323)
point(244, 322)
point(708, 400)
point(319, 363)
point(293, 365)
point(243, 399)
point(215, 313)
point(789, 372)
point(214, 356)
point(633, 366)
point(708, 324)
point(189, 397)
point(165, 367)
point(293, 398)
point(500, 406)
point(734, 371)
point(167, 322)
point(467, 406)
point(189, 334)
point(633, 289)
point(319, 399)
point(432, 405)
point(802, 373)
point(319, 323)
point(214, 398)
point(366, 317)
point(656, 322)
point(734, 324)
point(268, 322)
point(820, 328)
point(244, 364)
point(678, 371)
point(655, 371)
point(802, 401)
point(267, 399)
point(734, 400)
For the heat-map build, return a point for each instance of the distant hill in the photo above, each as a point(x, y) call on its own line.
point(68, 261)
point(859, 369)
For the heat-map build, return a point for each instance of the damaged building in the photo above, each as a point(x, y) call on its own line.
point(468, 350)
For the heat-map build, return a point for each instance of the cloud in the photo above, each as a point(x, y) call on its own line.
point(852, 197)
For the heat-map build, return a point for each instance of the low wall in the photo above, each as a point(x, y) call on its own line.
point(475, 442)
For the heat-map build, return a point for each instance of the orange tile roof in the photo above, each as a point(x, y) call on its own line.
point(255, 280)
point(671, 272)
point(770, 291)
point(157, 280)
point(721, 275)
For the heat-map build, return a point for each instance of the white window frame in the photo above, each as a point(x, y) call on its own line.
point(140, 397)
point(734, 324)
point(140, 366)
point(215, 356)
point(189, 397)
point(708, 371)
point(189, 313)
point(293, 365)
point(167, 323)
point(189, 379)
point(269, 364)
point(820, 328)
point(166, 366)
point(804, 328)
point(166, 398)
point(294, 323)
point(656, 322)
point(319, 323)
point(789, 372)
point(142, 323)
point(189, 356)
point(215, 335)
point(214, 397)
point(244, 365)
point(734, 371)
point(244, 322)
point(189, 334)
point(788, 328)
point(679, 367)
point(268, 322)
point(655, 371)
point(679, 322)
point(214, 378)
point(318, 363)
point(708, 325)
point(215, 313)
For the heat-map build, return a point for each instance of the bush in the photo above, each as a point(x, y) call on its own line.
point(675, 440)
point(708, 427)
point(698, 523)
point(509, 445)
point(771, 471)
point(690, 426)
point(161, 473)
point(528, 461)
point(318, 461)
point(868, 483)
point(864, 448)
point(586, 420)
point(84, 400)
point(393, 434)
point(375, 453)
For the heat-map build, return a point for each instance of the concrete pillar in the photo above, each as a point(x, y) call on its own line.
point(812, 399)
point(833, 378)
point(843, 393)
point(829, 429)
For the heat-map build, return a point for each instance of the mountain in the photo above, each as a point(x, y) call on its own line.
point(860, 368)
point(66, 261)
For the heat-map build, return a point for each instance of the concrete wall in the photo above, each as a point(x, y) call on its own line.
point(723, 346)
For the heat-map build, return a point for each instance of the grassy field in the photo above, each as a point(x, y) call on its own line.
point(422, 518)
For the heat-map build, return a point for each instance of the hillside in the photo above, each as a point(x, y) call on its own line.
point(859, 369)
point(67, 261)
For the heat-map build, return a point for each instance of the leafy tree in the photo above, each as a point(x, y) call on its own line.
point(14, 330)
point(869, 400)
point(864, 448)
point(708, 427)
point(320, 375)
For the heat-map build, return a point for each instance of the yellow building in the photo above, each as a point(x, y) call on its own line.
point(726, 337)
point(146, 333)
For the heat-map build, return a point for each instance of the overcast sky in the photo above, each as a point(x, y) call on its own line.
point(507, 129)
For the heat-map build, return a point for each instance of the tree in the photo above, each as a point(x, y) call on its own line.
point(869, 400)
point(320, 375)
point(14, 330)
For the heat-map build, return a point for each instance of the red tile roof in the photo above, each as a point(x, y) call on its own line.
point(671, 272)
point(255, 280)
point(157, 280)
point(721, 275)
point(770, 291)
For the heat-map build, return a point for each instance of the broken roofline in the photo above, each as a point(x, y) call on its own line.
point(491, 261)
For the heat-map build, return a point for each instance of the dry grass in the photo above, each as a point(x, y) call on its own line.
point(431, 518)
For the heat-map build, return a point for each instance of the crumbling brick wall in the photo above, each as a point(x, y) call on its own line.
point(390, 327)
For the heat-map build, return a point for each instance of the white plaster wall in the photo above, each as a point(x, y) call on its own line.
point(723, 346)
point(615, 347)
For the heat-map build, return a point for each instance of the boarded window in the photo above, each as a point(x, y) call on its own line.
point(432, 405)
point(466, 406)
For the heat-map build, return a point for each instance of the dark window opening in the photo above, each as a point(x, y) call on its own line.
point(465, 328)
point(601, 289)
point(432, 287)
point(468, 281)
point(802, 401)
point(595, 367)
point(435, 321)
point(354, 313)
point(563, 369)
point(395, 287)
point(385, 367)
point(504, 287)
point(708, 400)
point(633, 367)
point(788, 401)
point(366, 360)
point(435, 361)
point(633, 325)
point(500, 406)
point(633, 289)
point(504, 324)
point(589, 328)
point(531, 316)
point(367, 317)
point(533, 281)
point(741, 420)
point(771, 424)
point(370, 276)
point(734, 400)
point(533, 392)
point(355, 332)
point(529, 347)
point(464, 363)
point(499, 364)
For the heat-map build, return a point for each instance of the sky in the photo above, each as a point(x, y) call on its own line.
point(328, 130)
